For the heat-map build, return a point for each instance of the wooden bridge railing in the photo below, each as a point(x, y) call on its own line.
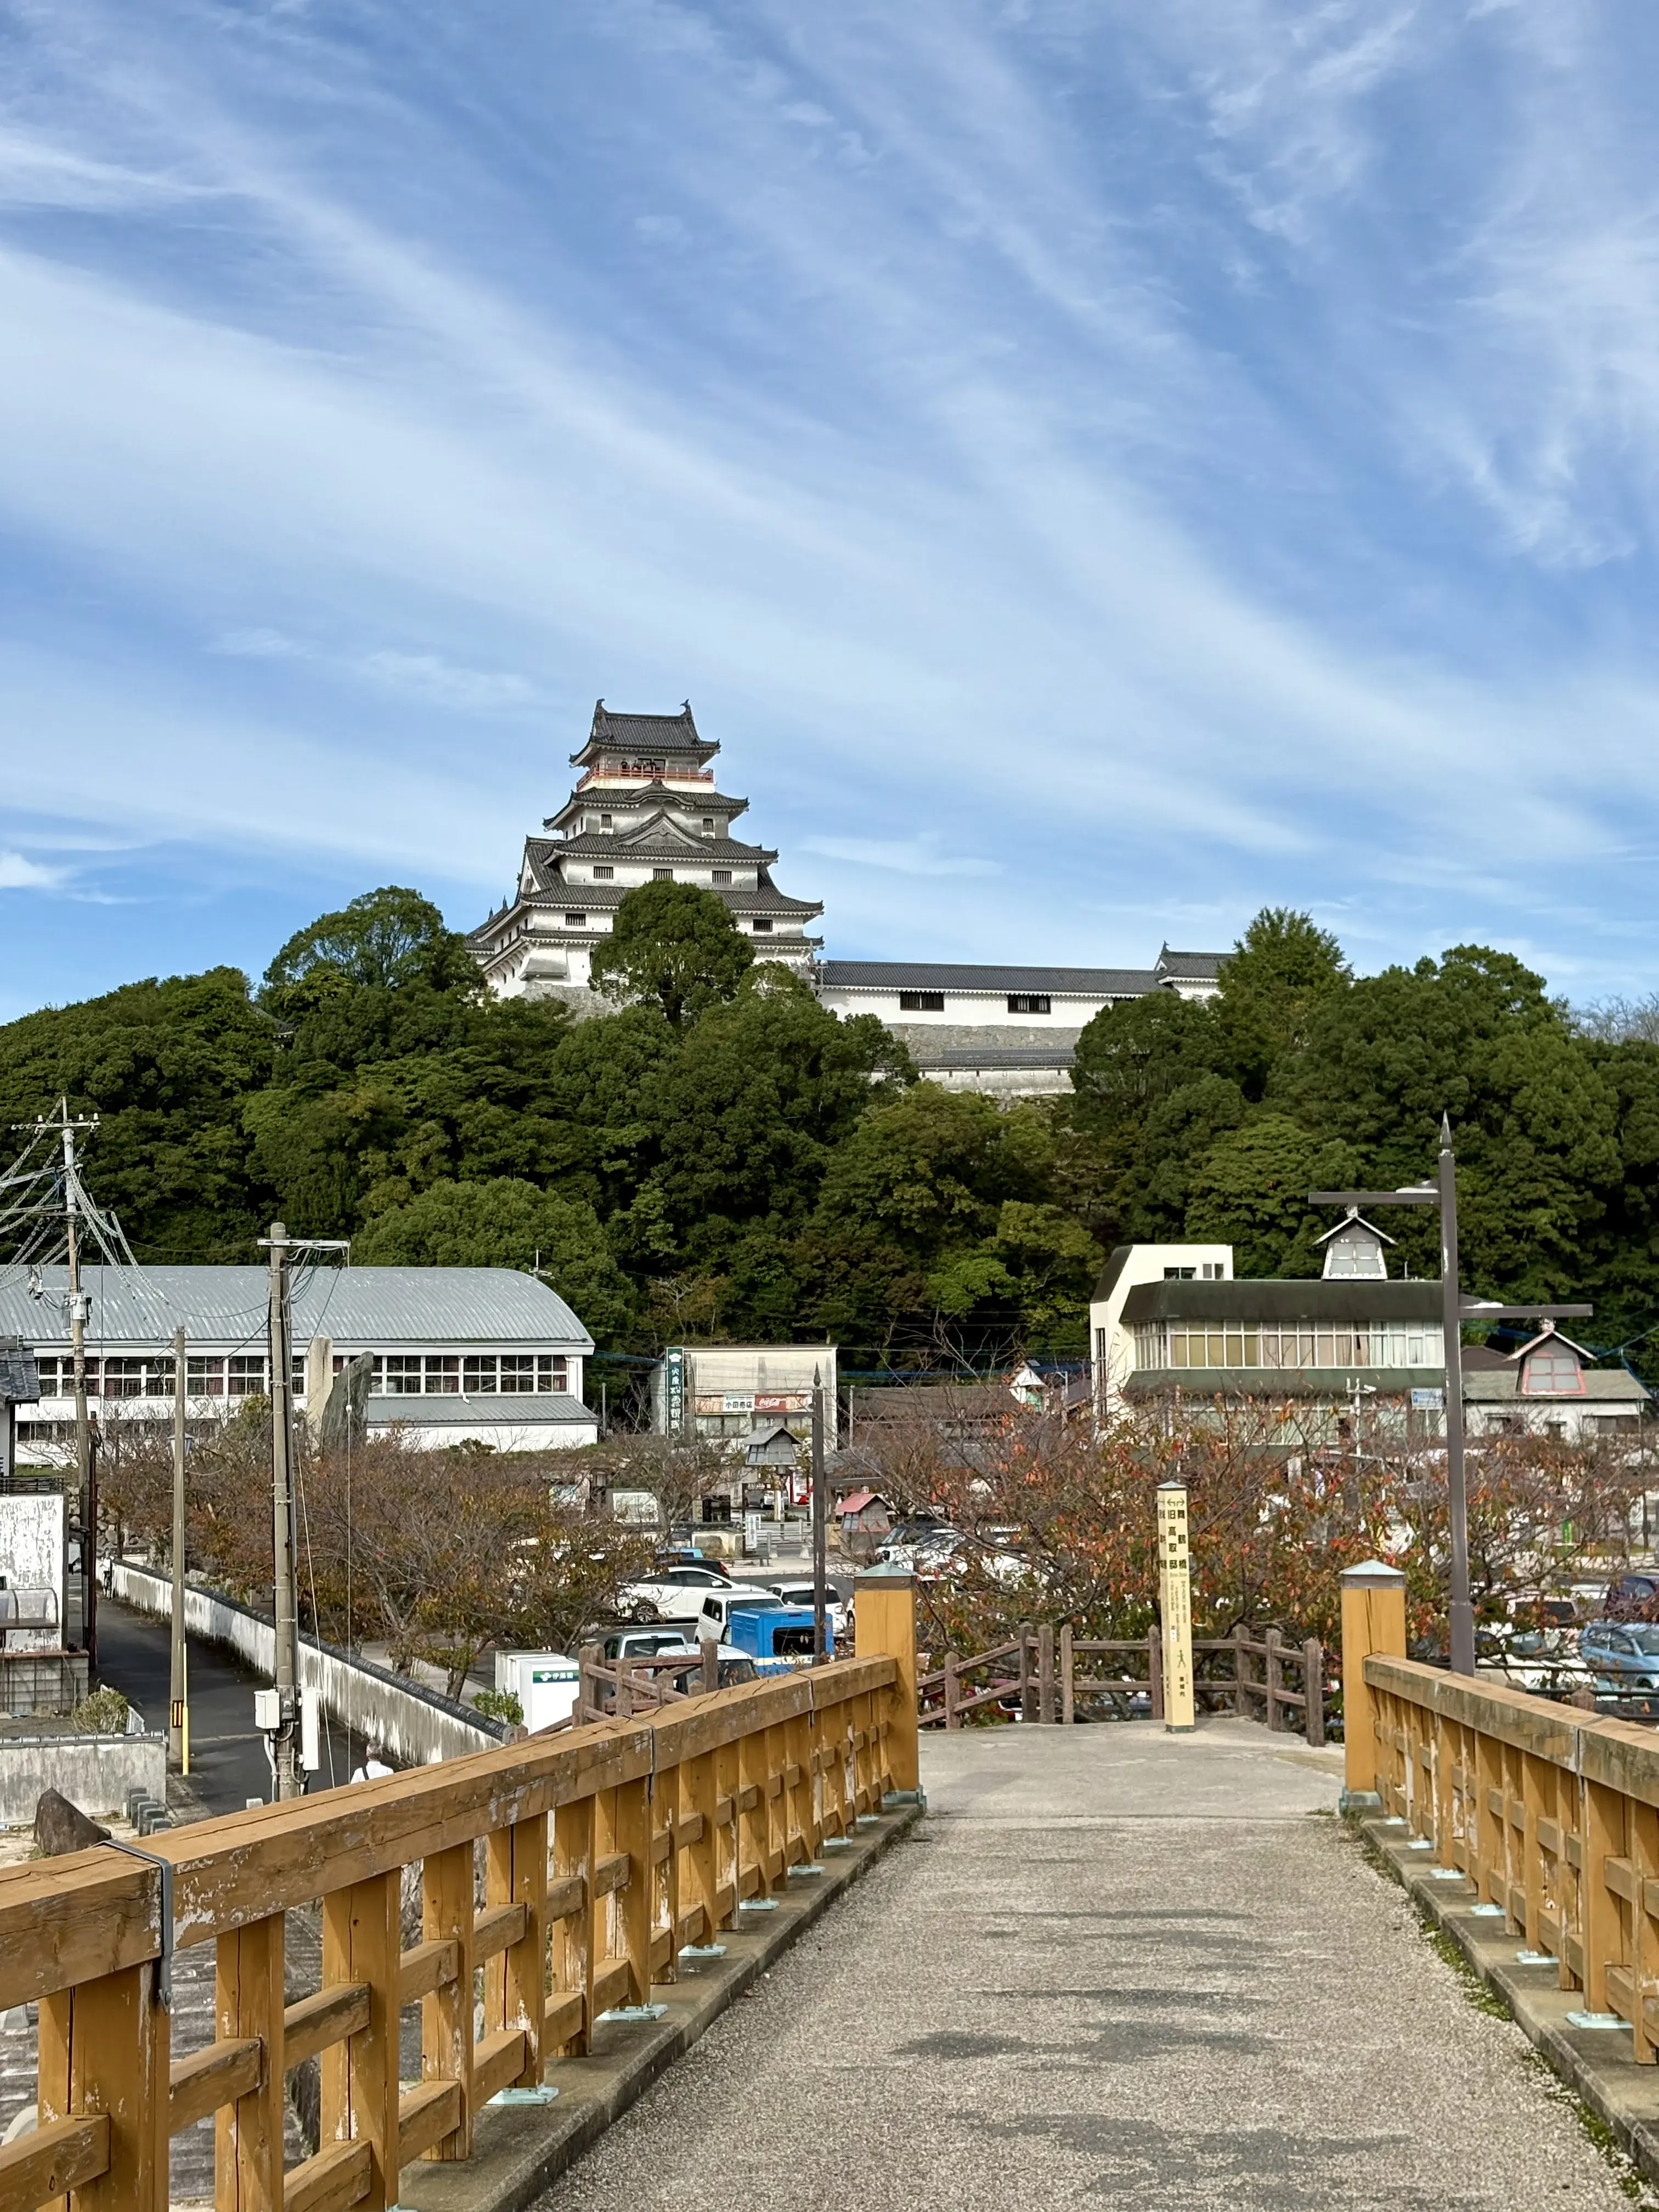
point(1551, 1812)
point(1037, 1674)
point(607, 1848)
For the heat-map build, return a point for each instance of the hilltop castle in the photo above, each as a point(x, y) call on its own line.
point(646, 805)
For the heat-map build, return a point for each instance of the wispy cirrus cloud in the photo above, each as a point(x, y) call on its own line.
point(1216, 448)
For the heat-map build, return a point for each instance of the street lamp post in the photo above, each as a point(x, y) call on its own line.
point(1455, 1310)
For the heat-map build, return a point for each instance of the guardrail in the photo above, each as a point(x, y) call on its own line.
point(1035, 1675)
point(608, 1848)
point(1552, 1812)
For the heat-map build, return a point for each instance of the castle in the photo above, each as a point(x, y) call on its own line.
point(645, 806)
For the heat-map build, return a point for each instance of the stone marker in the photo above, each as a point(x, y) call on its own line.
point(60, 1827)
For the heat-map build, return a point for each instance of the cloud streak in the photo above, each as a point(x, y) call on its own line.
point(1146, 455)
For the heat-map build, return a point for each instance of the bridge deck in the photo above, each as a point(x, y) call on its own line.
point(1111, 1968)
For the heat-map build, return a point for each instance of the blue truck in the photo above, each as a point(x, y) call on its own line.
point(776, 1637)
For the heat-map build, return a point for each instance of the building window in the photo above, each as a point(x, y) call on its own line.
point(605, 821)
point(518, 1370)
point(245, 1376)
point(761, 928)
point(1286, 1347)
point(722, 875)
point(921, 1002)
point(575, 922)
point(663, 875)
point(604, 873)
point(1213, 1271)
point(443, 1376)
point(708, 821)
point(1179, 1274)
point(1553, 1373)
point(1028, 1002)
point(398, 1375)
point(550, 1372)
point(204, 1378)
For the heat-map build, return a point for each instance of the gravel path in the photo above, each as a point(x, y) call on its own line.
point(1112, 1968)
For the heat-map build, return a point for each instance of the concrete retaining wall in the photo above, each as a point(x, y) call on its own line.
point(93, 1771)
point(414, 1723)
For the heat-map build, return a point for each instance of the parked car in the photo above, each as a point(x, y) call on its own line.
point(1544, 1661)
point(1622, 1655)
point(674, 1593)
point(804, 1594)
point(1632, 1597)
point(635, 1642)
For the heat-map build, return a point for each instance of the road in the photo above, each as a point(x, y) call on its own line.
point(1112, 1968)
point(227, 1762)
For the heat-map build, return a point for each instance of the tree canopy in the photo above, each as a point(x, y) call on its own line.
point(675, 944)
point(721, 1157)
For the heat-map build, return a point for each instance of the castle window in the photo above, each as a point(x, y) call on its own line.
point(1028, 1002)
point(575, 922)
point(603, 874)
point(921, 1002)
point(605, 821)
point(761, 928)
point(722, 876)
point(708, 821)
point(663, 875)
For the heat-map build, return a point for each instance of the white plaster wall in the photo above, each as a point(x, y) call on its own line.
point(1111, 1345)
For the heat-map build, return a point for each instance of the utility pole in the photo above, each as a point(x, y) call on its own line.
point(85, 1451)
point(1455, 1310)
point(285, 1747)
point(820, 1529)
point(178, 1690)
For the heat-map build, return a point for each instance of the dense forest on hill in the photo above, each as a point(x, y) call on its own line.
point(720, 1157)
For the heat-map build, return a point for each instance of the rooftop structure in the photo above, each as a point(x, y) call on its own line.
point(644, 807)
point(460, 1354)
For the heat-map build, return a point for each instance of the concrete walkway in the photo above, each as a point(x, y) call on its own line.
point(1112, 1968)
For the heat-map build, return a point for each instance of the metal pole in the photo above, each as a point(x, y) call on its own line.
point(177, 1727)
point(84, 1491)
point(1462, 1613)
point(820, 1529)
point(284, 1748)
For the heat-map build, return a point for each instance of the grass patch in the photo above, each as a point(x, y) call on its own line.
point(1632, 2180)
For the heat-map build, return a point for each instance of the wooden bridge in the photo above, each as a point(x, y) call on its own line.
point(1113, 1965)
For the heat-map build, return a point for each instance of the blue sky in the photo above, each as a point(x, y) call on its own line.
point(1097, 468)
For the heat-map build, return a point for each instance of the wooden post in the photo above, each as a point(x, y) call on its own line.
point(1155, 1672)
point(729, 1839)
point(446, 2012)
point(700, 1873)
point(575, 1958)
point(249, 1999)
point(1046, 1712)
point(1027, 1696)
point(1067, 1677)
point(1373, 1621)
point(1313, 1683)
point(1272, 1674)
point(515, 1980)
point(632, 1834)
point(709, 1673)
point(1240, 1669)
point(104, 2047)
point(952, 1720)
point(884, 1620)
point(362, 1942)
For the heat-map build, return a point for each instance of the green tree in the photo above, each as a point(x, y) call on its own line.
point(1279, 972)
point(508, 1222)
point(1251, 1190)
point(384, 940)
point(165, 1067)
point(1135, 1052)
point(674, 943)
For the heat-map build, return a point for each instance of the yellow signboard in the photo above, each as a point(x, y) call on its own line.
point(1175, 1592)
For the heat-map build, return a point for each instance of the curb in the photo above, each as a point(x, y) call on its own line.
point(1595, 2063)
point(518, 2150)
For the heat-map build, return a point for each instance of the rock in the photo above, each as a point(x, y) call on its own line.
point(60, 1827)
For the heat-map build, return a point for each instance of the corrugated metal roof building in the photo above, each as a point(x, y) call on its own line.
point(461, 1354)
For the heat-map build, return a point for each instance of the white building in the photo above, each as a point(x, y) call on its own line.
point(460, 1355)
point(1111, 1339)
point(644, 807)
point(1008, 1031)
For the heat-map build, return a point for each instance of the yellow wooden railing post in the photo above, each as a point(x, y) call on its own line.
point(104, 2049)
point(1373, 1621)
point(884, 1617)
point(446, 2011)
point(249, 1997)
point(362, 1942)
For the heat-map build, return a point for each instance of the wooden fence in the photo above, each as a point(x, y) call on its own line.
point(1036, 1675)
point(608, 1848)
point(1552, 1812)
